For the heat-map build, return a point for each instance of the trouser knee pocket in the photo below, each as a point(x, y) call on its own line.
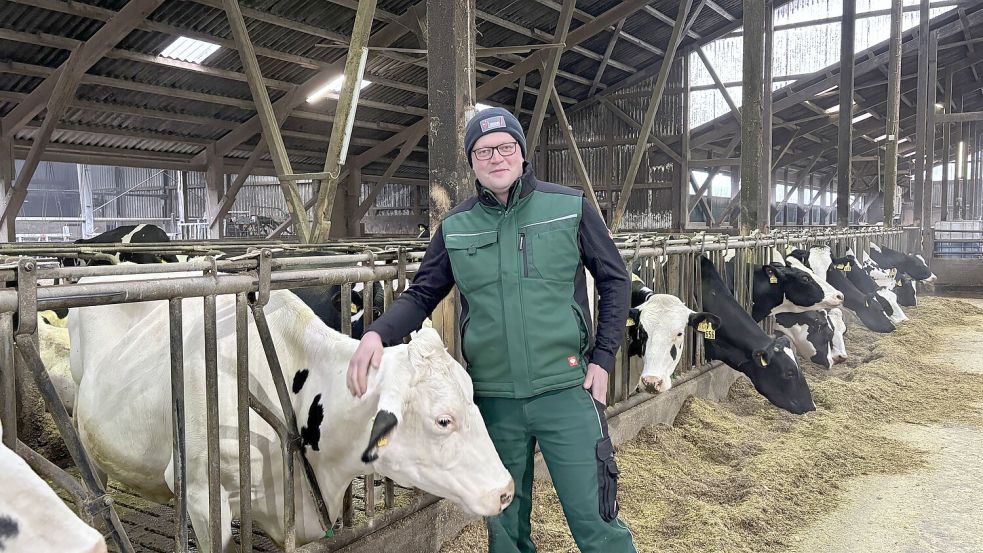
point(607, 480)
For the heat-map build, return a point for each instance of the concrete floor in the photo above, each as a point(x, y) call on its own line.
point(936, 509)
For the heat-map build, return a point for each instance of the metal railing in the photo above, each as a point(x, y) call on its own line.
point(668, 264)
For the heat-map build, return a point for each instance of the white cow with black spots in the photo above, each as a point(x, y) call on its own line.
point(33, 519)
point(418, 423)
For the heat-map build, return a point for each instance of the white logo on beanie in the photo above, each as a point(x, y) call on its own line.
point(497, 122)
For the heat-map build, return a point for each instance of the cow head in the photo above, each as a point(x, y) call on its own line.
point(811, 334)
point(773, 371)
point(838, 344)
point(914, 266)
point(656, 333)
point(831, 296)
point(429, 434)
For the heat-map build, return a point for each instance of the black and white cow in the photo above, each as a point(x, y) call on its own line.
point(417, 424)
point(656, 331)
point(325, 301)
point(867, 307)
point(740, 343)
point(781, 288)
point(914, 266)
point(866, 284)
point(811, 334)
point(892, 279)
point(128, 234)
point(32, 516)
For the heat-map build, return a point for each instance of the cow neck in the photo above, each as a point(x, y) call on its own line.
point(339, 459)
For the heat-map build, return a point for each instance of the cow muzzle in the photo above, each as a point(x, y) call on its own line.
point(839, 359)
point(655, 384)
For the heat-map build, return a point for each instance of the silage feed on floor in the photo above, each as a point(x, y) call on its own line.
point(744, 476)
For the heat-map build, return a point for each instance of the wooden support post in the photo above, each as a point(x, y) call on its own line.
point(844, 169)
point(341, 130)
point(751, 124)
point(653, 107)
point(8, 232)
point(921, 116)
point(930, 129)
point(270, 124)
point(681, 185)
point(62, 92)
point(548, 73)
point(946, 146)
point(578, 163)
point(451, 89)
point(767, 187)
point(214, 188)
point(893, 108)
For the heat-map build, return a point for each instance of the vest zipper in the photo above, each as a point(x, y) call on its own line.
point(525, 254)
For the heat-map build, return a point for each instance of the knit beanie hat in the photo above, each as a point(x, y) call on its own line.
point(491, 120)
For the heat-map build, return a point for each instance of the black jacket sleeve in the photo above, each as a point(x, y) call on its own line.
point(432, 283)
point(600, 256)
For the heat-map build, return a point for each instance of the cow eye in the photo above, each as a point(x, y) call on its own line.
point(445, 421)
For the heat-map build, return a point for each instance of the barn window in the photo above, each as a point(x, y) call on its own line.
point(189, 49)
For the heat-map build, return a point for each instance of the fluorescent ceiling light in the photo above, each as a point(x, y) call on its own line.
point(881, 137)
point(332, 88)
point(939, 107)
point(911, 153)
point(834, 109)
point(479, 106)
point(902, 140)
point(828, 90)
point(189, 49)
point(862, 116)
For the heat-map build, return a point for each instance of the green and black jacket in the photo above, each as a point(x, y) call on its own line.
point(526, 324)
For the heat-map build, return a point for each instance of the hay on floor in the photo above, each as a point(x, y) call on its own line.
point(744, 476)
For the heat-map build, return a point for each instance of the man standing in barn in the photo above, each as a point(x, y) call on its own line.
point(517, 251)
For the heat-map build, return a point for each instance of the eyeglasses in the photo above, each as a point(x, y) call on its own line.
point(484, 154)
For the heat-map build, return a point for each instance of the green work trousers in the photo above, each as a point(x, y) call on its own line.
point(572, 433)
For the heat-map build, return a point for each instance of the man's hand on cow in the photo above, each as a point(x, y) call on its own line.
point(597, 382)
point(368, 353)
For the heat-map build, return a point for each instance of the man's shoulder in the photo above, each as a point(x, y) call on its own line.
point(544, 187)
point(463, 207)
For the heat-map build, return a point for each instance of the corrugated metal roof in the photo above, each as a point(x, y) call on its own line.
point(129, 96)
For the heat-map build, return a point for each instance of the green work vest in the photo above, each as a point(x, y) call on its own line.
point(523, 332)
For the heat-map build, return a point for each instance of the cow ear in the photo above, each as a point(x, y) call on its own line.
point(382, 427)
point(705, 322)
point(634, 317)
point(772, 274)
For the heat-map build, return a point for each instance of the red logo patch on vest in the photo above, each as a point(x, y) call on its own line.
point(572, 361)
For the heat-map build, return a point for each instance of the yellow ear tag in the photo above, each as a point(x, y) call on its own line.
point(383, 441)
point(764, 363)
point(635, 278)
point(707, 329)
point(354, 309)
point(847, 267)
point(899, 283)
point(893, 273)
point(630, 322)
point(772, 278)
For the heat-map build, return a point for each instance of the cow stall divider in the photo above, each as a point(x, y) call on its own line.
point(667, 264)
